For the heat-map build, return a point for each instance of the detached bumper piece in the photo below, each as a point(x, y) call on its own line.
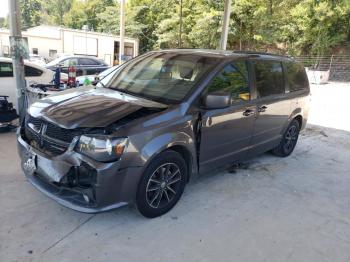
point(77, 190)
point(77, 187)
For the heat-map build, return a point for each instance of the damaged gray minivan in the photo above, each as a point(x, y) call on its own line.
point(142, 132)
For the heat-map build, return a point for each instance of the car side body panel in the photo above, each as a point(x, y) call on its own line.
point(205, 138)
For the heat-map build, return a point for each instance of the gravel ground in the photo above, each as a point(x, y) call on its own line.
point(271, 209)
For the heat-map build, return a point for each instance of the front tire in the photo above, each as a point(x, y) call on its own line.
point(162, 184)
point(289, 140)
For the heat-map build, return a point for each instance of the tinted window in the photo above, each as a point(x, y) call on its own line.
point(69, 61)
point(296, 77)
point(6, 69)
point(87, 61)
point(269, 78)
point(232, 79)
point(31, 71)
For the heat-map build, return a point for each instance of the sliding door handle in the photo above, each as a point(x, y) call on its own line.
point(248, 112)
point(262, 109)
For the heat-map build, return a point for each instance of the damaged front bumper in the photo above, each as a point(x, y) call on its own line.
point(78, 182)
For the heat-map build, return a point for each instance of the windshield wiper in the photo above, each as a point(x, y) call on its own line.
point(102, 84)
point(125, 91)
point(143, 96)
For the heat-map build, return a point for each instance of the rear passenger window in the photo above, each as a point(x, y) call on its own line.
point(296, 77)
point(269, 78)
point(232, 79)
point(31, 71)
point(6, 69)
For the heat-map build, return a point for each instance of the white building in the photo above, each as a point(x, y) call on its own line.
point(51, 41)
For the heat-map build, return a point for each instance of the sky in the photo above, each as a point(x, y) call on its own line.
point(4, 9)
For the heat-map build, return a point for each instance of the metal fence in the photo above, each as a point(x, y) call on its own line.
point(339, 65)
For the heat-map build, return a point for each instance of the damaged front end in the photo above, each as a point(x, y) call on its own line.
point(53, 164)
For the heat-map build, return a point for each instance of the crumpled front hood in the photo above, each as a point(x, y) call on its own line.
point(88, 107)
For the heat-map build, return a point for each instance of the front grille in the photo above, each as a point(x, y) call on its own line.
point(48, 137)
point(59, 133)
point(35, 121)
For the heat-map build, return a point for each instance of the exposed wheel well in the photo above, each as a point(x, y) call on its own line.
point(183, 151)
point(299, 118)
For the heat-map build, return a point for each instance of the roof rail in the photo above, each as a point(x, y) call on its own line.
point(257, 53)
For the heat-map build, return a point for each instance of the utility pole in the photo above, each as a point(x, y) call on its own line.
point(180, 33)
point(122, 31)
point(225, 24)
point(17, 51)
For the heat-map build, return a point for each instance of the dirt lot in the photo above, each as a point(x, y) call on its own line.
point(273, 209)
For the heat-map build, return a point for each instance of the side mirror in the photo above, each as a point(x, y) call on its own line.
point(217, 100)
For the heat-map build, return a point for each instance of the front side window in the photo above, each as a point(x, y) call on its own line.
point(31, 71)
point(162, 76)
point(70, 61)
point(233, 79)
point(269, 78)
point(296, 77)
point(6, 69)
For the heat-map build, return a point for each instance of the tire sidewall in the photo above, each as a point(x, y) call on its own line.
point(168, 156)
point(296, 124)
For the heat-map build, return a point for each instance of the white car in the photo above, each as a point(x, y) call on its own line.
point(36, 59)
point(98, 77)
point(34, 74)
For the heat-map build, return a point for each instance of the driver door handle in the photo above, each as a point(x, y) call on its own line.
point(262, 109)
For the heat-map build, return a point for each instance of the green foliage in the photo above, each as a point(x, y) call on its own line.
point(54, 11)
point(3, 22)
point(30, 13)
point(288, 26)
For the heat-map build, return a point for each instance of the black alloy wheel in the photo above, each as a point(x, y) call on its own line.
point(289, 140)
point(162, 184)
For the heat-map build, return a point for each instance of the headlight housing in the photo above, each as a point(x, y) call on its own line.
point(101, 148)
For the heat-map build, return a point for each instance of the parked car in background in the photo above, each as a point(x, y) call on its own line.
point(85, 65)
point(139, 136)
point(94, 78)
point(36, 59)
point(34, 74)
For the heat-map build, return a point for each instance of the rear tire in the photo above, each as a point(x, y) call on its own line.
point(162, 184)
point(289, 140)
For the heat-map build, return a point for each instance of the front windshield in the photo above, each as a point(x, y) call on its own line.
point(165, 77)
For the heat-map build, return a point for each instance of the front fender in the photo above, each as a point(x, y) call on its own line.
point(168, 140)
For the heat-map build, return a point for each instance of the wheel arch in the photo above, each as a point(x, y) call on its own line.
point(181, 143)
point(296, 114)
point(186, 155)
point(299, 118)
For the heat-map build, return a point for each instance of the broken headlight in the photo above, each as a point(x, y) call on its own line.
point(101, 148)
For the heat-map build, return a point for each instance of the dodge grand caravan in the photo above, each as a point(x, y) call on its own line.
point(139, 135)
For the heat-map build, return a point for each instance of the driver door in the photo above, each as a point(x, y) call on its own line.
point(226, 133)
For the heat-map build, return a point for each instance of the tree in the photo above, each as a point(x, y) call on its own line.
point(3, 22)
point(55, 11)
point(88, 12)
point(30, 13)
point(288, 26)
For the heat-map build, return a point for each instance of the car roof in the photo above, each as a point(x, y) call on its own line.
point(78, 56)
point(228, 53)
point(26, 62)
